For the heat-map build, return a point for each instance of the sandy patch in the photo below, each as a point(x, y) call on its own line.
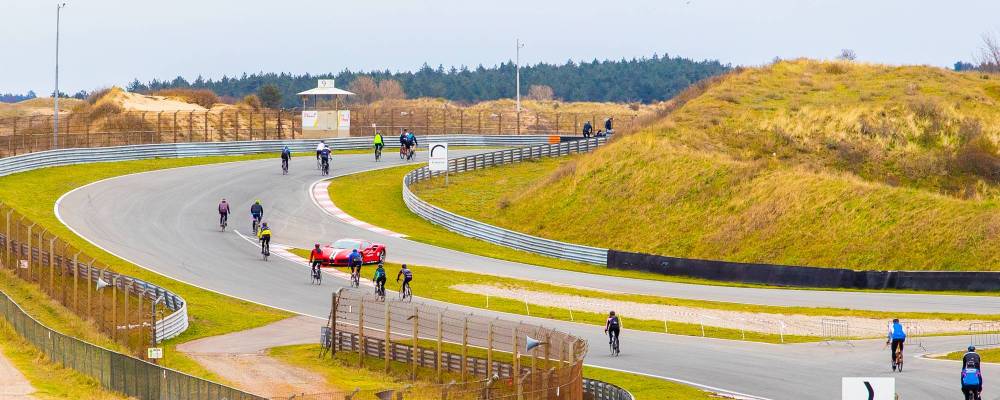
point(240, 358)
point(753, 322)
point(13, 384)
point(140, 102)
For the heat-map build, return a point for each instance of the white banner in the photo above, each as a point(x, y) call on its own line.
point(324, 83)
point(868, 388)
point(343, 120)
point(438, 158)
point(310, 119)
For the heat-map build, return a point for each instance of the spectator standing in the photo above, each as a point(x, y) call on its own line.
point(587, 129)
point(608, 125)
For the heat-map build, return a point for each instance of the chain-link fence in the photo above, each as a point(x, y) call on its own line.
point(19, 135)
point(114, 371)
point(508, 359)
point(131, 311)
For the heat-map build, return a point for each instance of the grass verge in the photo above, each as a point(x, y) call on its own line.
point(341, 372)
point(987, 355)
point(50, 380)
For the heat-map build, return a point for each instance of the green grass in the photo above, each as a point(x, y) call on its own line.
point(802, 163)
point(381, 204)
point(34, 193)
point(436, 284)
point(991, 355)
point(342, 372)
point(50, 380)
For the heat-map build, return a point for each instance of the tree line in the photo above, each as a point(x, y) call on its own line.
point(637, 80)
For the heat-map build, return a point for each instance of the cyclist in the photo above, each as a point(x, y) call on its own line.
point(972, 376)
point(354, 261)
point(379, 279)
point(265, 239)
point(403, 138)
point(324, 158)
point(319, 148)
point(316, 258)
point(612, 327)
point(223, 212)
point(407, 277)
point(896, 337)
point(286, 155)
point(411, 140)
point(257, 213)
point(379, 143)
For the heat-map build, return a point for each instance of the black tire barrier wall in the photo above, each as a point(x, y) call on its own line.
point(786, 275)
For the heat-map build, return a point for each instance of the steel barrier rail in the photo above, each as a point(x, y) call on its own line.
point(598, 390)
point(52, 158)
point(494, 234)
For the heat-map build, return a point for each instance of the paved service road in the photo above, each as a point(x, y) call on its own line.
point(166, 221)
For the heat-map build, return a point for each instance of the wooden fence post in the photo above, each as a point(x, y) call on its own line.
point(465, 348)
point(114, 308)
point(415, 350)
point(489, 352)
point(174, 130)
point(52, 266)
point(388, 341)
point(222, 125)
point(440, 342)
point(361, 332)
point(190, 137)
point(206, 126)
point(515, 365)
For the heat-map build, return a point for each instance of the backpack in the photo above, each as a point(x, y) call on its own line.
point(970, 377)
point(614, 323)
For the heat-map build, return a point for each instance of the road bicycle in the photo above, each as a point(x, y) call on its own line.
point(615, 350)
point(316, 275)
point(326, 167)
point(255, 224)
point(897, 364)
point(223, 219)
point(379, 292)
point(378, 153)
point(405, 294)
point(356, 278)
point(402, 152)
point(411, 153)
point(284, 166)
point(265, 249)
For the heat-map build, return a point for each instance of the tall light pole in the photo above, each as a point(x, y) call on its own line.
point(517, 66)
point(55, 95)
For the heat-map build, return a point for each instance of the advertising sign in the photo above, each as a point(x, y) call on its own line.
point(325, 83)
point(438, 160)
point(154, 353)
point(310, 119)
point(343, 120)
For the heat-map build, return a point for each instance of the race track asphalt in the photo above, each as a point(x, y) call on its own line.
point(166, 221)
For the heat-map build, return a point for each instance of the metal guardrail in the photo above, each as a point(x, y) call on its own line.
point(985, 334)
point(598, 390)
point(494, 234)
point(112, 370)
point(52, 158)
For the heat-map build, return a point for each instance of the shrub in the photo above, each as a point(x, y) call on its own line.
point(979, 157)
point(202, 97)
point(97, 95)
point(252, 101)
point(127, 122)
point(104, 108)
point(835, 68)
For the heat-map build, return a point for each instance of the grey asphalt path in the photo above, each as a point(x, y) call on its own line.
point(166, 221)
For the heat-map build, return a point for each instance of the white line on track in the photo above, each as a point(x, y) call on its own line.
point(321, 197)
point(731, 393)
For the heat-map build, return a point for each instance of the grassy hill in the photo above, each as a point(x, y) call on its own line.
point(802, 162)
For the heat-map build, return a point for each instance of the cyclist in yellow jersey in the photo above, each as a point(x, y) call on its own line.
point(379, 144)
point(264, 235)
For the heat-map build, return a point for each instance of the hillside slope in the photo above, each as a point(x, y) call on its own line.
point(803, 162)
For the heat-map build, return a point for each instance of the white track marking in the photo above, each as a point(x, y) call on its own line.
point(321, 197)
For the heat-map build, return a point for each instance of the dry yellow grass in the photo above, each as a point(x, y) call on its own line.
point(809, 163)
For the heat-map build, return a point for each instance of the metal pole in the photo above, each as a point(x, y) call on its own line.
point(55, 95)
point(517, 67)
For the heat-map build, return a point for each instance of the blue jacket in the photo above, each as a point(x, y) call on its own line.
point(897, 332)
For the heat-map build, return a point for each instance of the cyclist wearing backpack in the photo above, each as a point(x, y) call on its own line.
point(286, 154)
point(379, 279)
point(972, 376)
point(612, 327)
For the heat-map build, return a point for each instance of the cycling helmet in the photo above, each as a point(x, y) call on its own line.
point(895, 320)
point(258, 201)
point(317, 245)
point(972, 349)
point(404, 266)
point(264, 224)
point(612, 313)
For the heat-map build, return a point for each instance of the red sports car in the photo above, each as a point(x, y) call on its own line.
point(337, 253)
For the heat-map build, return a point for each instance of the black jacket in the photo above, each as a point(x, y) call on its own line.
point(973, 358)
point(257, 209)
point(607, 124)
point(588, 128)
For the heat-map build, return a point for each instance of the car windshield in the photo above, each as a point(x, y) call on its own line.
point(347, 244)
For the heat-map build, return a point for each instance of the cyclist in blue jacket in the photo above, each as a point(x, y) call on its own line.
point(896, 338)
point(972, 376)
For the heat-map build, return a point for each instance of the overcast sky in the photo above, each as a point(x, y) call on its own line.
point(105, 42)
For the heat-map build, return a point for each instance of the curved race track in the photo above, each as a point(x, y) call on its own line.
point(166, 221)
